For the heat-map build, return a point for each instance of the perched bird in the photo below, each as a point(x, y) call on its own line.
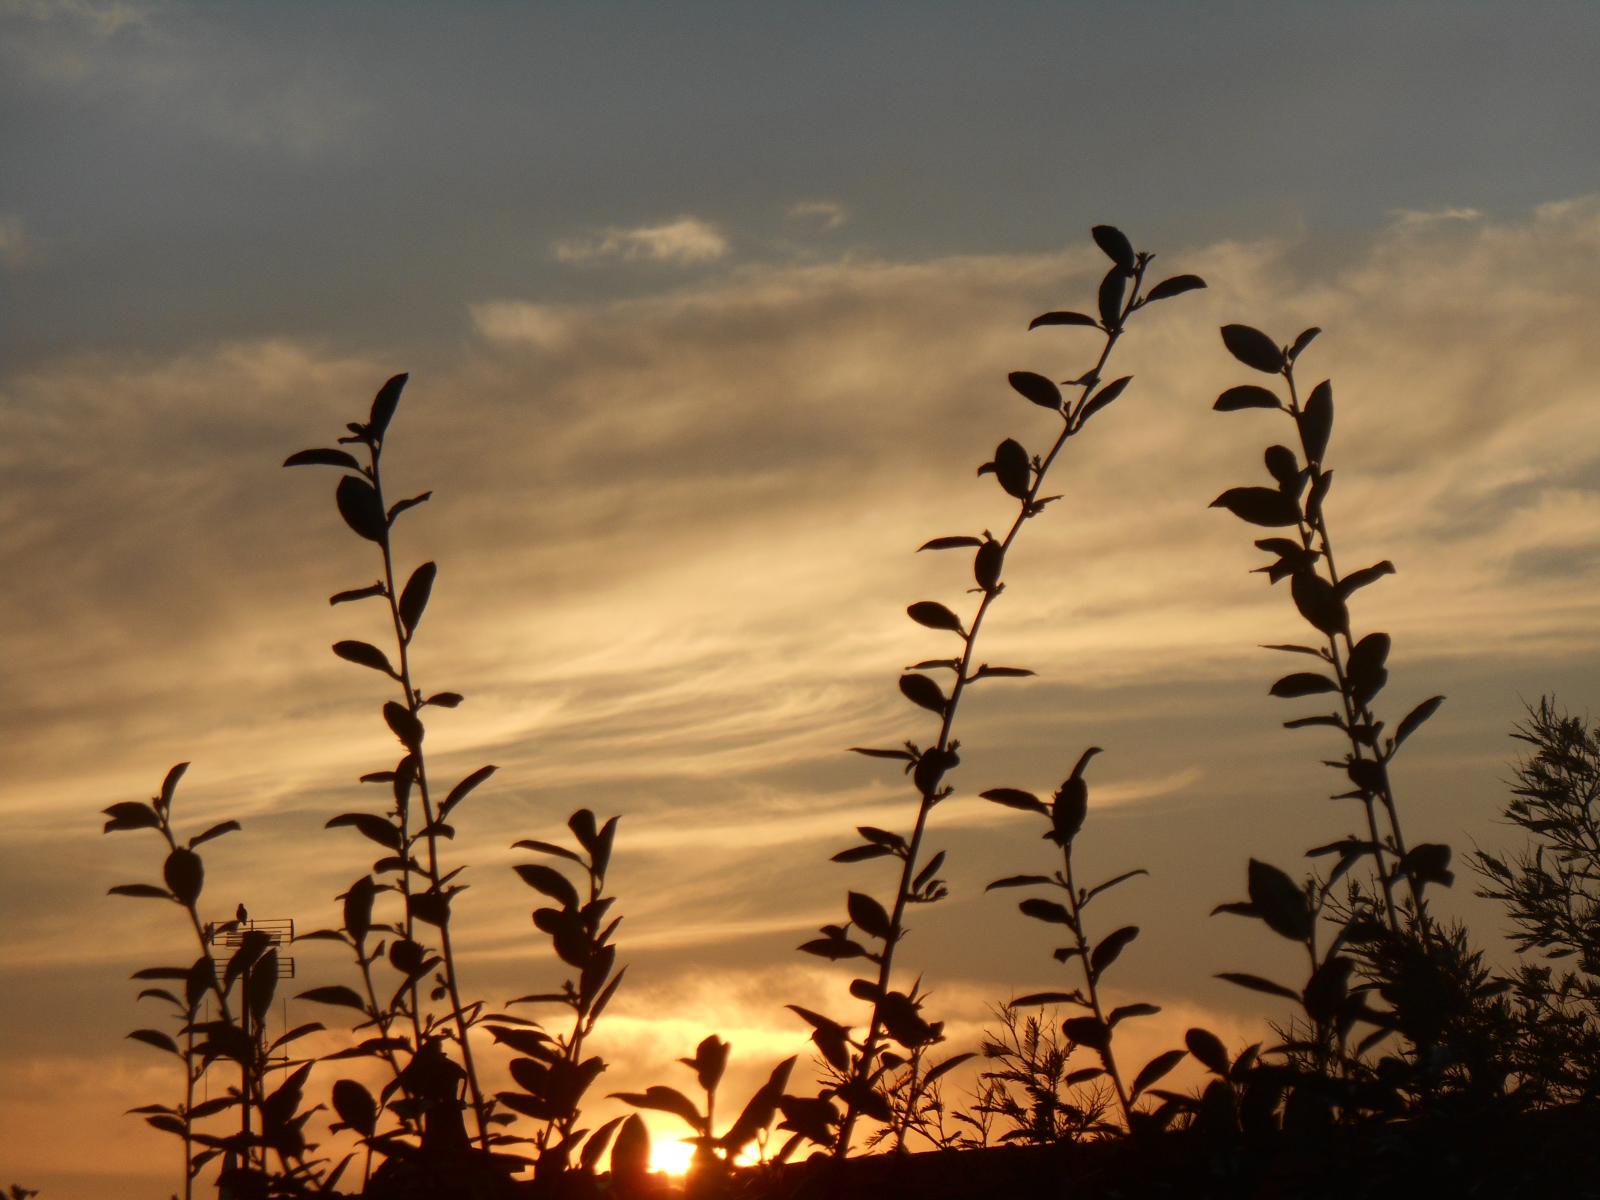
point(241, 915)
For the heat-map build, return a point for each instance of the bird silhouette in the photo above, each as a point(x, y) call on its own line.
point(242, 914)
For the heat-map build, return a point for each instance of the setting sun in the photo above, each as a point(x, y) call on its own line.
point(670, 1156)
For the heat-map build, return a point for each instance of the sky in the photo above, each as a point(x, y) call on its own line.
point(708, 310)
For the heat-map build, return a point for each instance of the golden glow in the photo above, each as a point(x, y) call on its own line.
point(670, 1156)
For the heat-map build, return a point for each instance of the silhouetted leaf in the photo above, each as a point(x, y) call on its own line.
point(1360, 579)
point(215, 831)
point(322, 458)
point(665, 1099)
point(549, 881)
point(1045, 910)
point(404, 724)
point(934, 615)
point(355, 1106)
point(987, 563)
point(1015, 798)
point(1112, 945)
point(1112, 882)
point(1285, 468)
point(1307, 336)
point(358, 907)
point(130, 814)
point(1155, 1070)
point(1036, 388)
point(953, 542)
point(1080, 1076)
point(868, 915)
point(1175, 286)
point(833, 948)
point(335, 994)
point(1115, 244)
point(987, 672)
point(1038, 999)
point(1427, 862)
point(185, 874)
point(1302, 683)
point(1318, 603)
point(154, 1037)
point(383, 406)
point(1413, 719)
point(924, 692)
point(360, 508)
point(401, 506)
point(145, 891)
point(1253, 348)
point(1018, 881)
point(369, 825)
point(1259, 506)
point(414, 597)
point(759, 1112)
point(1011, 468)
point(1110, 296)
point(460, 791)
point(1068, 809)
point(546, 848)
point(1365, 668)
point(1124, 1012)
point(1062, 318)
point(1316, 421)
point(372, 589)
point(365, 654)
point(857, 854)
point(1257, 984)
point(1279, 901)
point(1367, 775)
point(1246, 395)
point(1104, 397)
point(1208, 1048)
point(1087, 1031)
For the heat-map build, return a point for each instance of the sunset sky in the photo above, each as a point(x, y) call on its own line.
point(708, 310)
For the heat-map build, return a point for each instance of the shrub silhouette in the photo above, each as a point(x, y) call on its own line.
point(1381, 970)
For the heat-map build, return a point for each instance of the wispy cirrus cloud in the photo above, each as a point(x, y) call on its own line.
point(685, 241)
point(822, 215)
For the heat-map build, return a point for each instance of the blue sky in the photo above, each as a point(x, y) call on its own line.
point(709, 310)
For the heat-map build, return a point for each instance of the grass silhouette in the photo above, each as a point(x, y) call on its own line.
point(1402, 1035)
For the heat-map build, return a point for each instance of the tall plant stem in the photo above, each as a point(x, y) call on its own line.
point(1072, 423)
point(1107, 1059)
point(413, 705)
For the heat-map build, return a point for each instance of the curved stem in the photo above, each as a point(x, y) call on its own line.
point(1106, 1058)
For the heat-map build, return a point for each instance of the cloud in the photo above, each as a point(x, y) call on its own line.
point(1410, 217)
point(16, 247)
point(683, 242)
point(823, 215)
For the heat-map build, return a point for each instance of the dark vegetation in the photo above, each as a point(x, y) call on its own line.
point(1408, 1064)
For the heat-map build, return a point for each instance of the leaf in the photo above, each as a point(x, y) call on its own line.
point(1257, 984)
point(1036, 387)
point(215, 831)
point(1414, 719)
point(1039, 999)
point(665, 1099)
point(950, 543)
point(1365, 668)
point(934, 615)
point(924, 692)
point(1112, 882)
point(1087, 1031)
point(549, 881)
point(1015, 798)
point(1318, 603)
point(1279, 901)
point(169, 785)
point(760, 1111)
point(372, 589)
point(1302, 683)
point(1018, 881)
point(1253, 348)
point(985, 671)
point(857, 854)
point(1307, 336)
point(358, 907)
point(144, 891)
point(1115, 244)
point(1104, 397)
point(384, 404)
point(404, 724)
point(833, 948)
point(336, 994)
point(1259, 506)
point(1208, 1049)
point(1062, 318)
point(1316, 422)
point(1068, 809)
point(414, 597)
point(902, 755)
point(1361, 578)
point(445, 699)
point(1110, 947)
point(460, 791)
point(322, 458)
point(868, 915)
point(987, 563)
point(359, 506)
point(355, 1106)
point(1124, 1012)
point(369, 825)
point(365, 654)
point(1109, 298)
point(1175, 286)
point(546, 848)
point(1427, 862)
point(1156, 1069)
point(1246, 395)
point(154, 1037)
point(131, 814)
point(185, 875)
point(1045, 910)
point(1012, 469)
point(400, 506)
